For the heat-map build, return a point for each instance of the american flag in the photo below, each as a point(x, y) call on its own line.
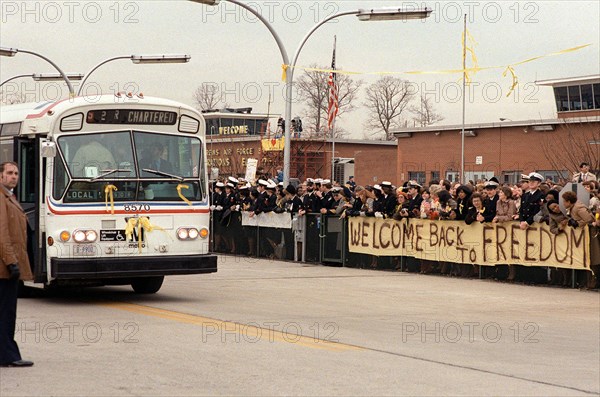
point(332, 109)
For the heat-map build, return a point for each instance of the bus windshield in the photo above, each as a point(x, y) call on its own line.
point(136, 162)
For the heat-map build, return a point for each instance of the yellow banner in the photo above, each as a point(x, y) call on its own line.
point(273, 144)
point(481, 244)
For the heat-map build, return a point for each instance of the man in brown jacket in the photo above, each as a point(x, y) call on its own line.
point(14, 264)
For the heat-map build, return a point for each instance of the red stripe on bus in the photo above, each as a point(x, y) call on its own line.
point(40, 114)
point(104, 212)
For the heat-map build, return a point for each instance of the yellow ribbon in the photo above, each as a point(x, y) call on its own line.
point(131, 223)
point(108, 192)
point(142, 223)
point(515, 80)
point(471, 51)
point(181, 196)
point(472, 69)
point(284, 69)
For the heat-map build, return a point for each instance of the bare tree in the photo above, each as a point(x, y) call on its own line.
point(12, 98)
point(314, 91)
point(566, 148)
point(387, 98)
point(208, 96)
point(424, 113)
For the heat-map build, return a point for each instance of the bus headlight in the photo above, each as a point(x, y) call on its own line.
point(182, 233)
point(79, 236)
point(91, 236)
point(187, 233)
point(84, 236)
point(193, 233)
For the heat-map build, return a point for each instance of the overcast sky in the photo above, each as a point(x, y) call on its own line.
point(230, 47)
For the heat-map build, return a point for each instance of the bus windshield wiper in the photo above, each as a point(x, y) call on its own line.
point(161, 173)
point(107, 173)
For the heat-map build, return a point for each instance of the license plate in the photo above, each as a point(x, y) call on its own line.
point(84, 250)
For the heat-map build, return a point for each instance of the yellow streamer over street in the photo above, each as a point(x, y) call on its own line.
point(467, 71)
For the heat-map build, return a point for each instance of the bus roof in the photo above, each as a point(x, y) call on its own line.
point(19, 112)
point(22, 111)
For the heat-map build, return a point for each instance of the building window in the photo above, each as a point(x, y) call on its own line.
point(574, 98)
point(587, 97)
point(435, 176)
point(417, 176)
point(452, 176)
point(562, 99)
point(555, 176)
point(511, 177)
point(597, 95)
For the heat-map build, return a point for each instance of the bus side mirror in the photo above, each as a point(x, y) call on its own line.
point(48, 148)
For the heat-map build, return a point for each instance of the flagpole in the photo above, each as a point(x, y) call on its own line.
point(332, 129)
point(462, 134)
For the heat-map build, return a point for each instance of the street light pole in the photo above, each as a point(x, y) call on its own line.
point(11, 52)
point(44, 77)
point(138, 59)
point(288, 68)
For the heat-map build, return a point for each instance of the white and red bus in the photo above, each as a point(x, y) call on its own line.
point(115, 189)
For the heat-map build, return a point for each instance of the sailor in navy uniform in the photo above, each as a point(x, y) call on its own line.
point(531, 202)
point(327, 201)
point(262, 195)
point(414, 205)
point(309, 200)
point(390, 201)
point(293, 204)
point(491, 200)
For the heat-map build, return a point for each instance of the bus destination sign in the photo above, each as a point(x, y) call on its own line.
point(131, 116)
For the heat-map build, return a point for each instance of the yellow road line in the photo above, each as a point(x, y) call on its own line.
point(252, 333)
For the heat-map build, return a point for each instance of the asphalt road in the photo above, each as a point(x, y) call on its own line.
point(262, 327)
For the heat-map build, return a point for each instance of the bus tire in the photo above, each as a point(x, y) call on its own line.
point(147, 285)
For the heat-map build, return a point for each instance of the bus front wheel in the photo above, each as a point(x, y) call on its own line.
point(147, 285)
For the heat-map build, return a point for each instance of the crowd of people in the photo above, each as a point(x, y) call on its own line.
point(530, 201)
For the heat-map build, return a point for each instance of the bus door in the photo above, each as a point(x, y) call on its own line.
point(29, 193)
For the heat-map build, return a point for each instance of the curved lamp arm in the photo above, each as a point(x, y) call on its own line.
point(64, 76)
point(97, 66)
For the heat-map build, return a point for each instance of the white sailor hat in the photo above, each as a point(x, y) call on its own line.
point(534, 176)
point(386, 184)
point(325, 181)
point(220, 184)
point(231, 185)
point(244, 187)
point(377, 187)
point(280, 184)
point(263, 182)
point(414, 184)
point(492, 183)
point(241, 181)
point(310, 180)
point(232, 179)
point(318, 181)
point(524, 177)
point(271, 186)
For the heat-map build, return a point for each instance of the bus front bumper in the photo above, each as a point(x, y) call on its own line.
point(143, 266)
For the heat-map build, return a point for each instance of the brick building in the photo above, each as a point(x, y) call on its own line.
point(369, 161)
point(235, 135)
point(505, 149)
